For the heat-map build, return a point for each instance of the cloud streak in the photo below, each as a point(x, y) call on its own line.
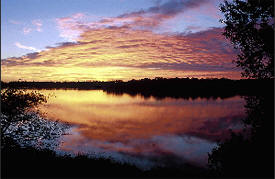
point(19, 45)
point(15, 22)
point(26, 30)
point(148, 19)
point(38, 24)
point(169, 9)
point(155, 15)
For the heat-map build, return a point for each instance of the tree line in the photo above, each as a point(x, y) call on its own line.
point(162, 87)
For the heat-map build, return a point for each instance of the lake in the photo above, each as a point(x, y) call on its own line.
point(145, 132)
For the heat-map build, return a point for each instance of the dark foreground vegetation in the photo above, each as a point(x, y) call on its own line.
point(253, 155)
point(162, 87)
point(30, 162)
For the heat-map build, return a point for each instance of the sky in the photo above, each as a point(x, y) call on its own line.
point(86, 40)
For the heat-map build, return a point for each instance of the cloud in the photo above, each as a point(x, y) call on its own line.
point(33, 55)
point(170, 8)
point(155, 15)
point(126, 47)
point(191, 28)
point(15, 22)
point(19, 45)
point(122, 53)
point(26, 30)
point(71, 27)
point(38, 24)
point(78, 16)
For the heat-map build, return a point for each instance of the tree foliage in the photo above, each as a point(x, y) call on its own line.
point(15, 103)
point(249, 153)
point(21, 120)
point(250, 27)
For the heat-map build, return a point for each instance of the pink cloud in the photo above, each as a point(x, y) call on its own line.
point(70, 27)
point(38, 24)
point(78, 16)
point(15, 22)
point(26, 30)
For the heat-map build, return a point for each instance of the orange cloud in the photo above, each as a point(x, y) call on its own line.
point(123, 53)
point(125, 47)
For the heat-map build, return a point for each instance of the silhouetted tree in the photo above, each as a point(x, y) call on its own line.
point(15, 103)
point(250, 27)
point(250, 153)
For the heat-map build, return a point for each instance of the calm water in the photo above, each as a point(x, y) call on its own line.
point(143, 132)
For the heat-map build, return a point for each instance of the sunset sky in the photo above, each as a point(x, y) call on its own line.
point(83, 40)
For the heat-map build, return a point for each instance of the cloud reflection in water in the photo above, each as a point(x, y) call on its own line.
point(144, 132)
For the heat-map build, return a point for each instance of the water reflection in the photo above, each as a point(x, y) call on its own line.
point(145, 132)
